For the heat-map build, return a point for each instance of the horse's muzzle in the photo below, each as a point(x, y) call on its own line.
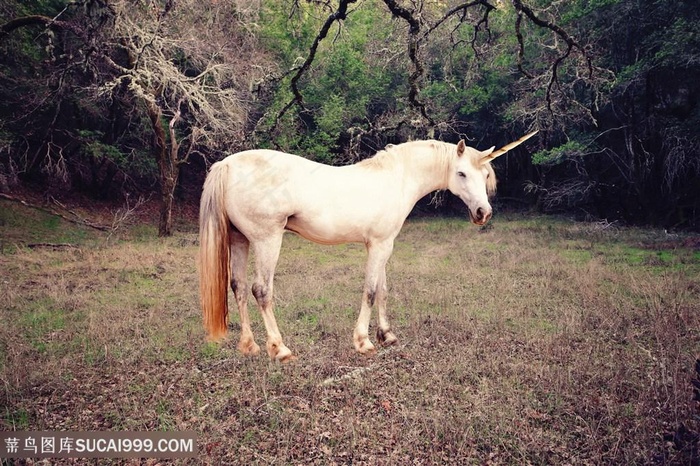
point(480, 216)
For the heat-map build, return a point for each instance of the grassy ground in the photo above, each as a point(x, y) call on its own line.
point(534, 341)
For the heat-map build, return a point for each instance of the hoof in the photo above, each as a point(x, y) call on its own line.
point(364, 346)
point(279, 352)
point(286, 359)
point(248, 347)
point(386, 338)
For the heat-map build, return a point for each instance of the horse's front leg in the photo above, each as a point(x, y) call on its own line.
point(377, 257)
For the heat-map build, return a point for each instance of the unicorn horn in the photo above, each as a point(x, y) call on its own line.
point(507, 147)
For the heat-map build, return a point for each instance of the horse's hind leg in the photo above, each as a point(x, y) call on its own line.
point(374, 291)
point(239, 285)
point(266, 254)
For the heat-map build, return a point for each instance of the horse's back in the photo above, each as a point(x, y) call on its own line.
point(257, 186)
point(266, 161)
point(271, 190)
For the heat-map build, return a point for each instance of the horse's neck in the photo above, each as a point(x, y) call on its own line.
point(426, 168)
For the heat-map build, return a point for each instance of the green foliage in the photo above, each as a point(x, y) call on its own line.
point(287, 36)
point(582, 10)
point(96, 149)
point(136, 162)
point(556, 155)
point(677, 45)
point(343, 85)
point(330, 118)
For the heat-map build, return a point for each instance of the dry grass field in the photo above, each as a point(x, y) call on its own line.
point(533, 341)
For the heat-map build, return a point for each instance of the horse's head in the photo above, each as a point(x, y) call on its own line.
point(472, 178)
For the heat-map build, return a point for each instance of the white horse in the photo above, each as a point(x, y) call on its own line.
point(251, 198)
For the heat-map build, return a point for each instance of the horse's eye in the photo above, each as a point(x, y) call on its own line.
point(461, 174)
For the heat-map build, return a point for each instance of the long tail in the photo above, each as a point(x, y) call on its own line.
point(214, 253)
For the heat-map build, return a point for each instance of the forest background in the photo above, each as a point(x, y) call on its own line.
point(119, 100)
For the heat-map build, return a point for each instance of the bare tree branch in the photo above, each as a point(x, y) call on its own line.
point(338, 15)
point(571, 44)
point(181, 72)
point(521, 46)
point(462, 8)
point(414, 40)
point(32, 20)
point(527, 11)
point(77, 220)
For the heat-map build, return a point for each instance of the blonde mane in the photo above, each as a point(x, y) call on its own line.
point(382, 159)
point(388, 156)
point(491, 180)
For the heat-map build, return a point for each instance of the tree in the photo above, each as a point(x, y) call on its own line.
point(186, 62)
point(188, 66)
point(446, 29)
point(88, 88)
point(43, 73)
point(609, 83)
point(635, 158)
point(344, 83)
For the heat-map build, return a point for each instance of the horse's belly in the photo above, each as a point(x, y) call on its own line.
point(325, 230)
point(347, 225)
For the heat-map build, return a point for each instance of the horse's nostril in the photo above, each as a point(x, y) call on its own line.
point(479, 213)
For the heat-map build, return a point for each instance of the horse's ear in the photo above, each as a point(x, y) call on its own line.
point(487, 152)
point(460, 147)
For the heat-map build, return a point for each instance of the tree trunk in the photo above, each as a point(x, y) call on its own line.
point(168, 167)
point(168, 183)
